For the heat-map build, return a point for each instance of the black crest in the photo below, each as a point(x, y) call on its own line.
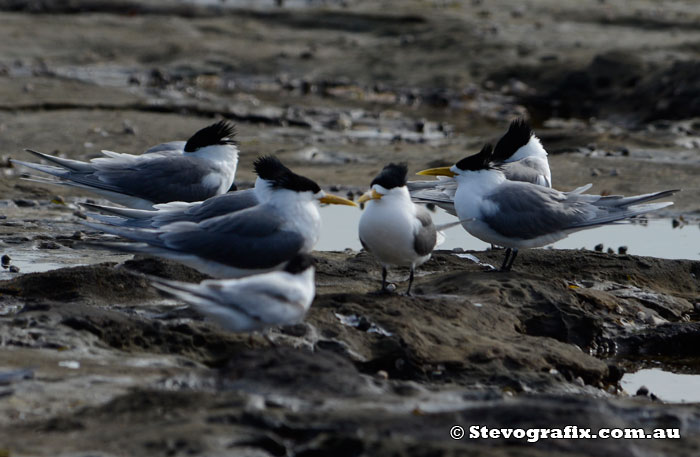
point(299, 264)
point(220, 133)
point(517, 136)
point(271, 169)
point(268, 167)
point(393, 175)
point(479, 161)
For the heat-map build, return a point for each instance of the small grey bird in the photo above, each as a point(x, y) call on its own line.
point(516, 214)
point(393, 228)
point(202, 167)
point(253, 303)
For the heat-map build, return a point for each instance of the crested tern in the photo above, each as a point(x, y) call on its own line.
point(251, 241)
point(392, 227)
point(166, 213)
point(203, 166)
point(516, 214)
point(518, 153)
point(252, 303)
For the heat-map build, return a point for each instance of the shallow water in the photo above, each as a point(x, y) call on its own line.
point(669, 387)
point(655, 238)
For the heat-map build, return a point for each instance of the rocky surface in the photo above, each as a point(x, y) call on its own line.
point(94, 362)
point(541, 346)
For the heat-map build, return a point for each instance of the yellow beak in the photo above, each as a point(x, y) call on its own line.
point(441, 171)
point(369, 195)
point(335, 200)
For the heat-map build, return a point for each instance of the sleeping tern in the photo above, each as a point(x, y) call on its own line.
point(251, 241)
point(519, 215)
point(252, 303)
point(519, 154)
point(203, 166)
point(392, 227)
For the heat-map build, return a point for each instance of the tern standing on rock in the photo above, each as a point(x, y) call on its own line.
point(518, 154)
point(203, 166)
point(253, 303)
point(393, 228)
point(252, 241)
point(518, 215)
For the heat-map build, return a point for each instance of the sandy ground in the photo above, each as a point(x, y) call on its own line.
point(94, 362)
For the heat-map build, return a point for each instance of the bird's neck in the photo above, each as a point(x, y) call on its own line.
point(472, 187)
point(533, 148)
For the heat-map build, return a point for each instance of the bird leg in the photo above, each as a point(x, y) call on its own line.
point(512, 259)
point(384, 289)
point(410, 282)
point(504, 266)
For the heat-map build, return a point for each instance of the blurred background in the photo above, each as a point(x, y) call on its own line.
point(341, 87)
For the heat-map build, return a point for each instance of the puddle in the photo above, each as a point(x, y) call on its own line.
point(656, 238)
point(669, 387)
point(39, 261)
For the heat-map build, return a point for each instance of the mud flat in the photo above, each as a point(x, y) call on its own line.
point(106, 357)
point(95, 362)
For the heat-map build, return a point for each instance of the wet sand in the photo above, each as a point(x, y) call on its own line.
point(95, 362)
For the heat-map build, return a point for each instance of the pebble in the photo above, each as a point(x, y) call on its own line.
point(128, 128)
point(641, 315)
point(622, 250)
point(14, 269)
point(643, 391)
point(697, 307)
point(381, 374)
point(599, 247)
point(49, 245)
point(457, 250)
point(391, 287)
point(5, 260)
point(24, 203)
point(610, 251)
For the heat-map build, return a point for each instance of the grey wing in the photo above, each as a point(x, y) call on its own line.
point(250, 239)
point(272, 302)
point(425, 239)
point(159, 180)
point(440, 193)
point(520, 171)
point(527, 211)
point(176, 147)
point(221, 204)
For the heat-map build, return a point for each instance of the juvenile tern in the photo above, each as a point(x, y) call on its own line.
point(519, 215)
point(251, 241)
point(166, 213)
point(519, 155)
point(203, 166)
point(393, 228)
point(252, 303)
